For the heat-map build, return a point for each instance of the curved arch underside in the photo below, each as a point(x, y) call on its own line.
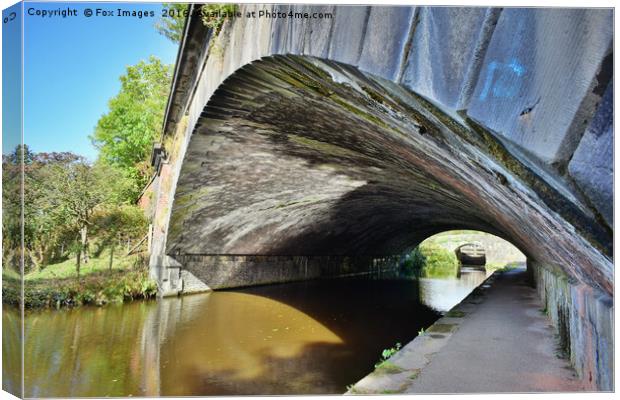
point(302, 156)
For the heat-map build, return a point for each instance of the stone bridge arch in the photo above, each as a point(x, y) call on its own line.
point(297, 156)
point(332, 146)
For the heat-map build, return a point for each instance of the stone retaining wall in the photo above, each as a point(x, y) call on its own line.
point(583, 318)
point(222, 272)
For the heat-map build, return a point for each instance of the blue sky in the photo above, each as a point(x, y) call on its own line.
point(11, 83)
point(72, 68)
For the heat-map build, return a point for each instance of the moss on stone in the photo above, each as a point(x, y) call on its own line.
point(548, 194)
point(358, 112)
point(319, 72)
point(379, 98)
point(297, 78)
point(415, 373)
point(441, 328)
point(455, 314)
point(187, 199)
point(386, 367)
point(323, 147)
point(400, 389)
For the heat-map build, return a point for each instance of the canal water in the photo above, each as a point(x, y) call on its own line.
point(298, 338)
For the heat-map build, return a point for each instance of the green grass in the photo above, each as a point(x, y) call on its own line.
point(66, 269)
point(503, 267)
point(57, 285)
point(453, 239)
point(10, 274)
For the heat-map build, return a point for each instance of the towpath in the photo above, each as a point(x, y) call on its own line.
point(496, 340)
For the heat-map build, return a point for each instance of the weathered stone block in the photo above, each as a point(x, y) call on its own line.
point(385, 39)
point(256, 34)
point(536, 84)
point(447, 43)
point(583, 318)
point(318, 31)
point(592, 165)
point(221, 272)
point(279, 30)
point(297, 30)
point(348, 32)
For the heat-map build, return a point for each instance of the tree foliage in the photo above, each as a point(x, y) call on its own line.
point(40, 227)
point(12, 207)
point(214, 15)
point(118, 223)
point(66, 201)
point(172, 25)
point(125, 135)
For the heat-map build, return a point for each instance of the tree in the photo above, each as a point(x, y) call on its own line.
point(70, 193)
point(43, 231)
point(64, 199)
point(12, 207)
point(173, 24)
point(119, 222)
point(125, 135)
point(39, 231)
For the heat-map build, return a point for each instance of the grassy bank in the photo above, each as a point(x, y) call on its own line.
point(429, 260)
point(57, 285)
point(438, 262)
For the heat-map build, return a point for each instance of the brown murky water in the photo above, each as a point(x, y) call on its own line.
point(309, 337)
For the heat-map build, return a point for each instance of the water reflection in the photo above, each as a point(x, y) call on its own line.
point(309, 337)
point(243, 343)
point(11, 351)
point(442, 294)
point(88, 352)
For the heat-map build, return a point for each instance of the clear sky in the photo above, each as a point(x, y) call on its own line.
point(72, 68)
point(11, 83)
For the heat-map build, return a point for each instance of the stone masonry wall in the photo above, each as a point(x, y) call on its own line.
point(583, 318)
point(221, 272)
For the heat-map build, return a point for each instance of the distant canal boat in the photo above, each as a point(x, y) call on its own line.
point(471, 254)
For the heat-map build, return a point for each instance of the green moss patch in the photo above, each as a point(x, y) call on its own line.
point(401, 389)
point(387, 367)
point(441, 328)
point(415, 373)
point(455, 314)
